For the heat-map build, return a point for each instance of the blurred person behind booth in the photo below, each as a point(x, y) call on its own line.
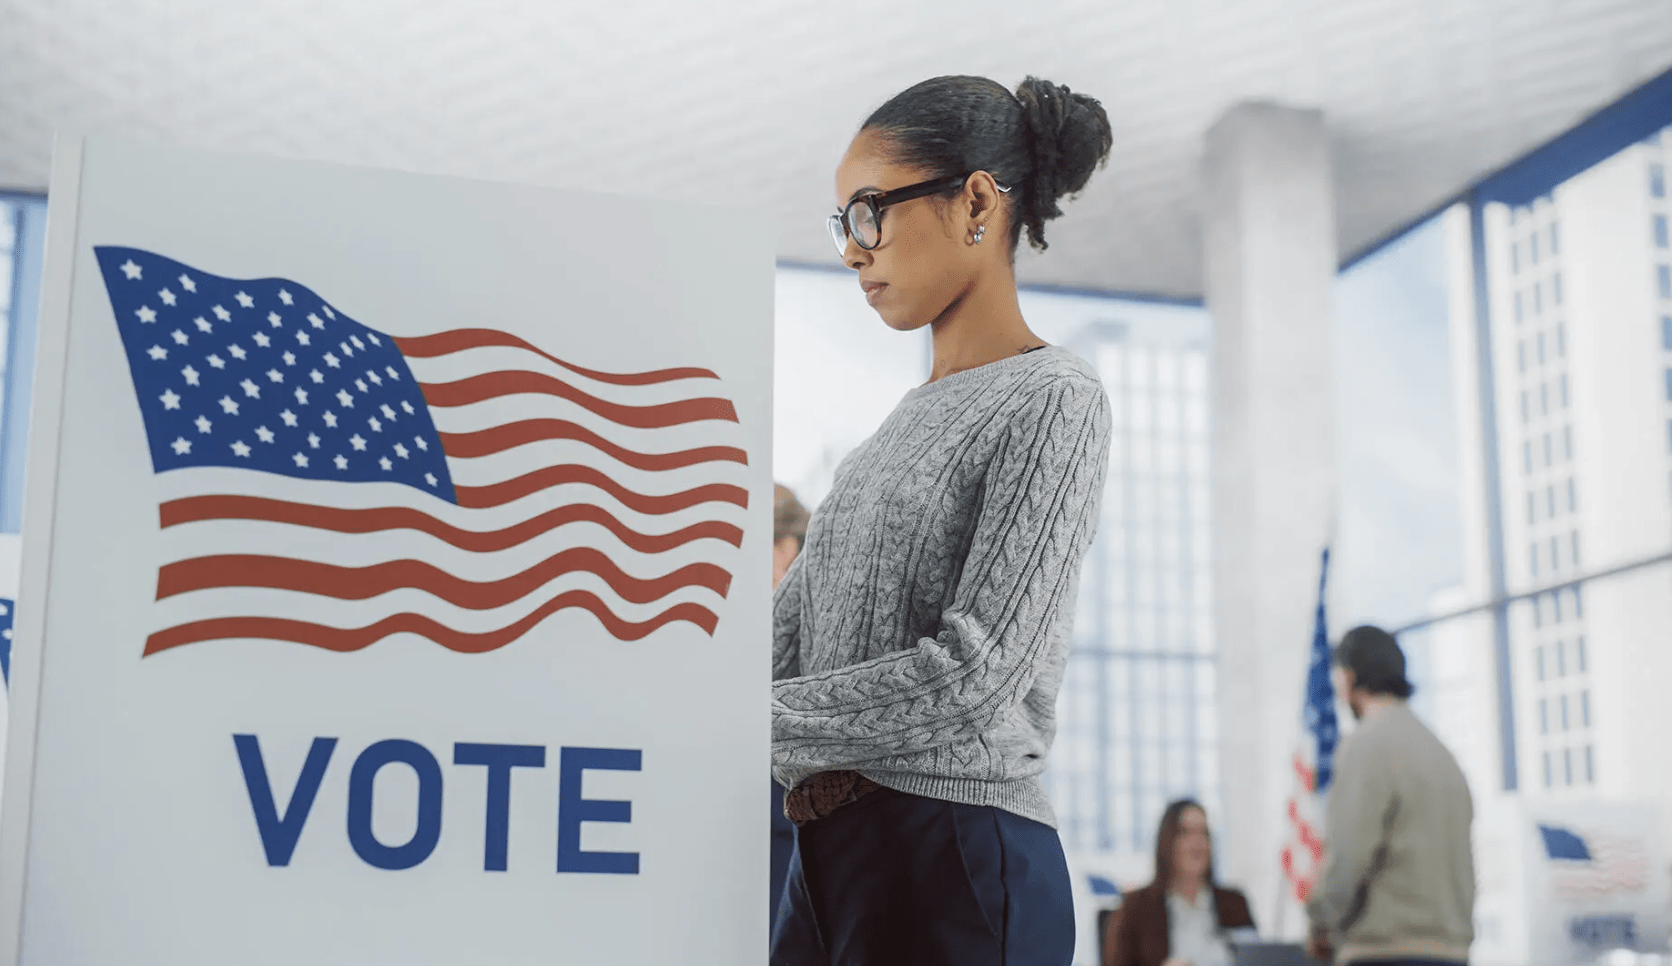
point(1182, 918)
point(1398, 884)
point(789, 528)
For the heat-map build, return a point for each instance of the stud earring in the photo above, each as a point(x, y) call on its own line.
point(979, 233)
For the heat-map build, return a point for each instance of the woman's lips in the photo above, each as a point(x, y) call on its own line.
point(872, 290)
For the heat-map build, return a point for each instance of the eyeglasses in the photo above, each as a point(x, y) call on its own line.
point(862, 218)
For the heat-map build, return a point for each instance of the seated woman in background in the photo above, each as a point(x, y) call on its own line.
point(1181, 918)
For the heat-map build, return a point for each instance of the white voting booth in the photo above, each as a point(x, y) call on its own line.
point(395, 573)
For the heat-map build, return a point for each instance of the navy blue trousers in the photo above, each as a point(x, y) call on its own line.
point(899, 879)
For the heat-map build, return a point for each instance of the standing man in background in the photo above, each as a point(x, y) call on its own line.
point(1399, 880)
point(789, 528)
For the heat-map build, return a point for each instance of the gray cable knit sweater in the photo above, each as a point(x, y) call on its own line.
point(921, 636)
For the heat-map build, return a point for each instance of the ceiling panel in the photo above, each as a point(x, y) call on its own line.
point(757, 99)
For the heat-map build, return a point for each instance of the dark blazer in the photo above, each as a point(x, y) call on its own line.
point(1137, 933)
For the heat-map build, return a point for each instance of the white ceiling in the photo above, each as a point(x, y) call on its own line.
point(756, 99)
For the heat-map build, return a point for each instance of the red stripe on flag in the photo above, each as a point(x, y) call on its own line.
point(362, 583)
point(498, 439)
point(508, 491)
point(357, 638)
point(495, 385)
point(458, 340)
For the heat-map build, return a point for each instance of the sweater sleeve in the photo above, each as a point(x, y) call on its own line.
point(1361, 805)
point(1039, 504)
point(786, 622)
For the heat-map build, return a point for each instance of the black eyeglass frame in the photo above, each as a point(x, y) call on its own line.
point(878, 200)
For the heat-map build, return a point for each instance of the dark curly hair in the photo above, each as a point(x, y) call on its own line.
point(1043, 142)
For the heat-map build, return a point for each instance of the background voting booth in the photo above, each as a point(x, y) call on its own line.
point(394, 573)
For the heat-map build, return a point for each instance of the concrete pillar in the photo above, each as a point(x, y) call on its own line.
point(1269, 239)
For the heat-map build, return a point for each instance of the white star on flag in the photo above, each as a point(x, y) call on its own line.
point(385, 463)
point(157, 352)
point(275, 375)
point(203, 424)
point(217, 362)
point(402, 451)
point(289, 358)
point(313, 441)
point(388, 413)
point(421, 444)
point(181, 446)
point(240, 448)
point(264, 434)
point(376, 426)
point(430, 479)
point(262, 340)
point(302, 397)
point(342, 462)
point(330, 419)
point(146, 314)
point(237, 352)
point(171, 399)
point(203, 324)
point(374, 377)
point(285, 297)
point(332, 360)
point(187, 283)
point(245, 300)
point(273, 317)
point(302, 337)
point(301, 460)
point(228, 406)
point(222, 314)
point(357, 441)
point(318, 322)
point(317, 376)
point(191, 375)
point(408, 407)
point(289, 418)
point(344, 398)
point(250, 389)
point(131, 270)
point(179, 337)
point(168, 297)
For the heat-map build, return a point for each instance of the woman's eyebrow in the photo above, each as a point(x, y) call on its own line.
point(867, 190)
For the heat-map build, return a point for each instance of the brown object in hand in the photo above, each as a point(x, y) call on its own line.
point(824, 793)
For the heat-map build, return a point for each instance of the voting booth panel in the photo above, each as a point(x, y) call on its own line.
point(395, 573)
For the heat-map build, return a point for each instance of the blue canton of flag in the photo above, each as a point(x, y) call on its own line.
point(7, 607)
point(1320, 692)
point(262, 374)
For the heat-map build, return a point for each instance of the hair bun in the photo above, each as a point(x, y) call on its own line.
point(1070, 138)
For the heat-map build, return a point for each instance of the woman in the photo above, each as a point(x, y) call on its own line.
point(1181, 918)
point(920, 637)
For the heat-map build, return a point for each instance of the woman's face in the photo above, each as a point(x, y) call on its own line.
point(1193, 849)
point(924, 262)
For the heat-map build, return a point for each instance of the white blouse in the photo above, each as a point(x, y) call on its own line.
point(1193, 931)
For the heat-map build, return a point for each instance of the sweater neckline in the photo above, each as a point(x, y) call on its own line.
point(985, 372)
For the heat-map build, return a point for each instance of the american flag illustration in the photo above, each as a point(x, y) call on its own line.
point(1596, 863)
point(1313, 761)
point(7, 617)
point(326, 483)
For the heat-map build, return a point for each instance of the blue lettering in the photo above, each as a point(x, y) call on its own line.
point(279, 833)
point(360, 783)
point(499, 759)
point(573, 810)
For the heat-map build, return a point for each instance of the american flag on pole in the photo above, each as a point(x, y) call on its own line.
point(330, 484)
point(1313, 761)
point(1595, 863)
